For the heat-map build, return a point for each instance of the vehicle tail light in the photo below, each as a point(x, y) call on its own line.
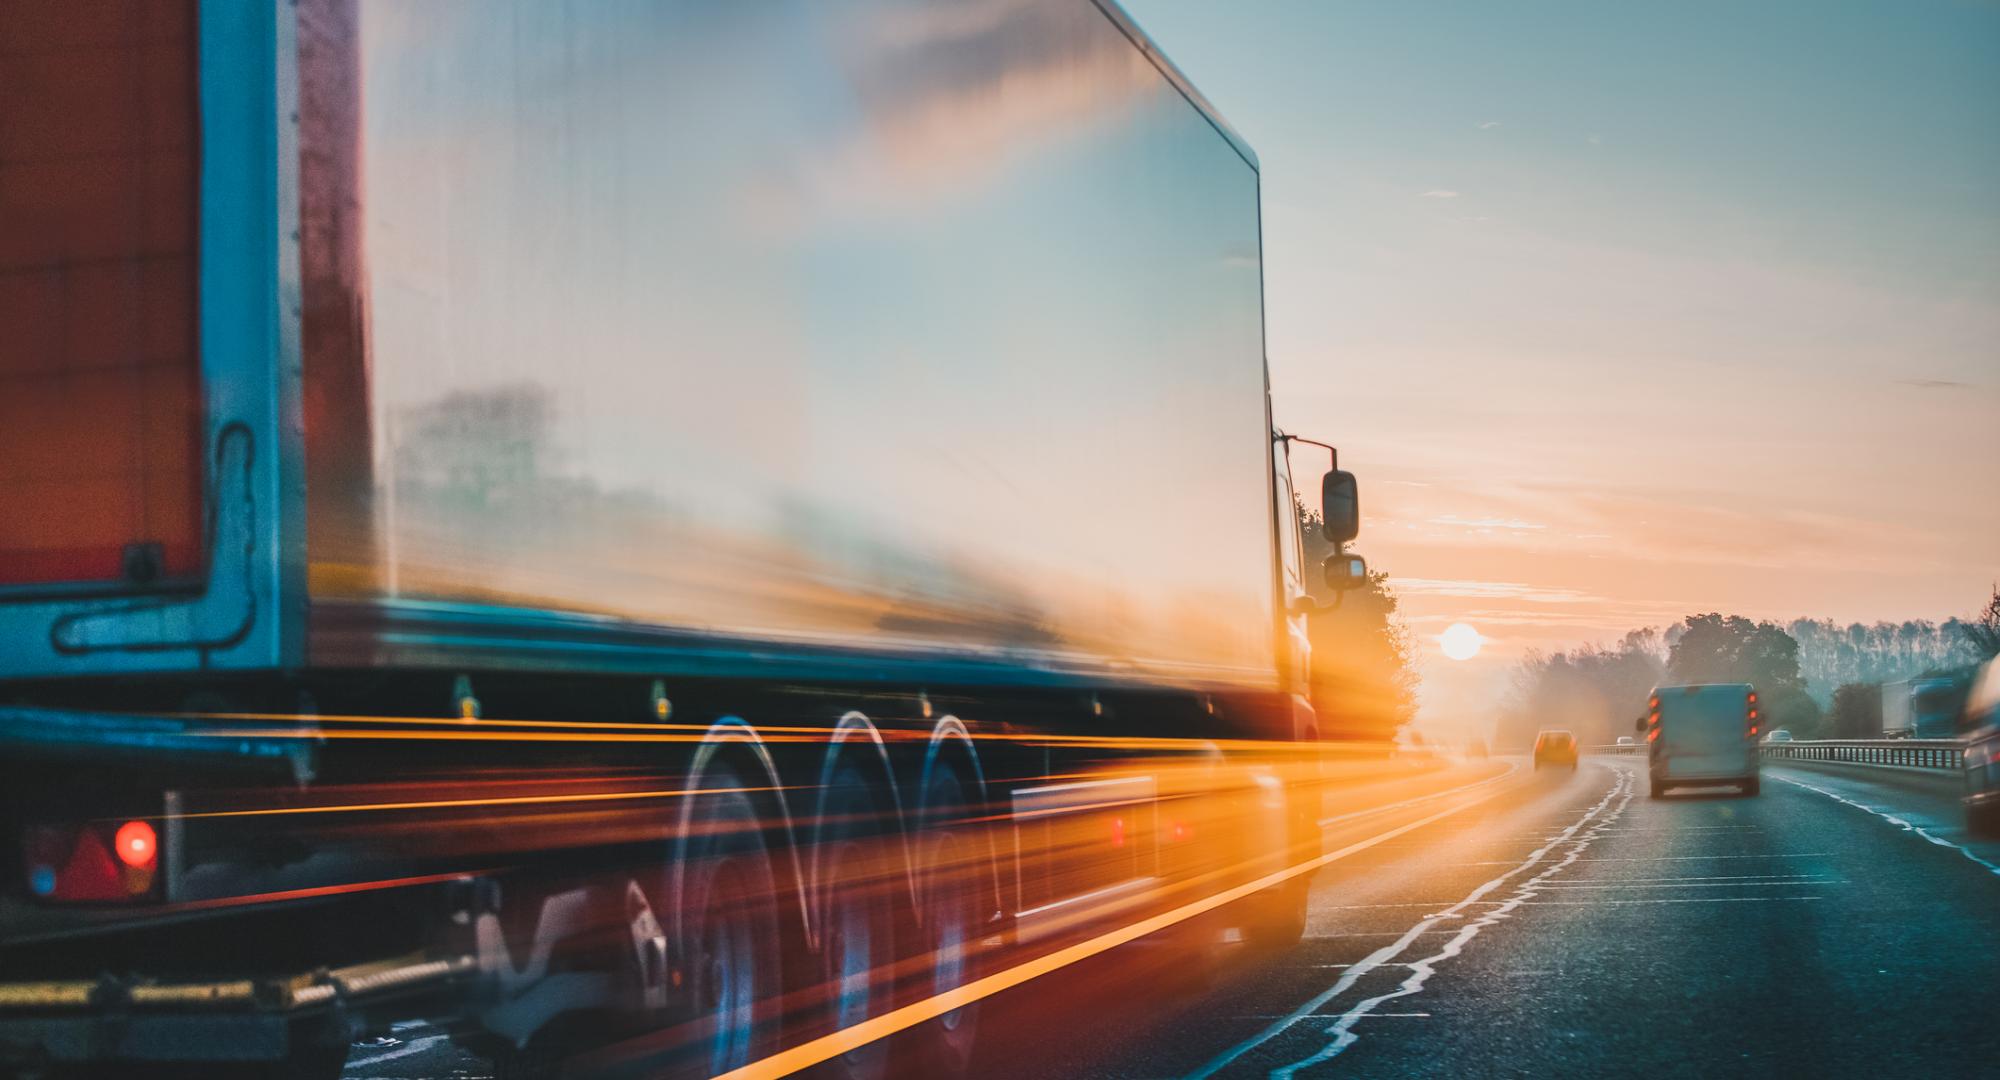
point(136, 844)
point(92, 862)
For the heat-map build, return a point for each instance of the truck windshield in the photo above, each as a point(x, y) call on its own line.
point(1287, 519)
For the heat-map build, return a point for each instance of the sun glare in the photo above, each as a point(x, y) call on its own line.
point(1460, 641)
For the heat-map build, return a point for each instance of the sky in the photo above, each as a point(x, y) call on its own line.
point(1625, 312)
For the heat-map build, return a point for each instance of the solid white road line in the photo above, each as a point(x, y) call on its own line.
point(1906, 826)
point(416, 1046)
point(1342, 1031)
point(1421, 969)
point(825, 1047)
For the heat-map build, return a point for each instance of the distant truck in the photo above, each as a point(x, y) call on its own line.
point(510, 508)
point(1921, 708)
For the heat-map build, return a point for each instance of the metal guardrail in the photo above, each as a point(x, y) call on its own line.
point(1909, 753)
point(1944, 754)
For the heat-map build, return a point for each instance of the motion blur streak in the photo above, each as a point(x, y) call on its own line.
point(324, 890)
point(1359, 751)
point(517, 800)
point(827, 1047)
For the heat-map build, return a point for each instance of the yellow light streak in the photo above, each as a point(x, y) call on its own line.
point(826, 1047)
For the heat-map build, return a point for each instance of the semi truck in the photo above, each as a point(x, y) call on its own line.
point(1921, 708)
point(649, 530)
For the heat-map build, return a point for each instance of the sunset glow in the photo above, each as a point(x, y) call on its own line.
point(1597, 358)
point(1460, 641)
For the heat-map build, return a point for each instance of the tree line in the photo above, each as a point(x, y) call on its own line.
point(1813, 677)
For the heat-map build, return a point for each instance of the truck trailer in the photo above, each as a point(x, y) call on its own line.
point(1921, 708)
point(649, 530)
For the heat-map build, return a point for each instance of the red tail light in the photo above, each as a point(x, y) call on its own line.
point(91, 862)
point(136, 844)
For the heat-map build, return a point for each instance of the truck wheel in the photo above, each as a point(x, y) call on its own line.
point(732, 940)
point(858, 915)
point(954, 888)
point(1752, 786)
point(1280, 919)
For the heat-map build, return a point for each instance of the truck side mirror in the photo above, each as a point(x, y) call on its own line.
point(1344, 572)
point(1639, 724)
point(1340, 505)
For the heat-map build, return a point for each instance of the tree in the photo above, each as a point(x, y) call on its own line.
point(1714, 648)
point(1856, 711)
point(1982, 632)
point(1831, 654)
point(1592, 691)
point(1364, 672)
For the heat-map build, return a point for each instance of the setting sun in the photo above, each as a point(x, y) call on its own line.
point(1460, 641)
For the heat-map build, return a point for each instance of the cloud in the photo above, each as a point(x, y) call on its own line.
point(1594, 140)
point(1934, 384)
point(1489, 125)
point(1491, 590)
point(1457, 521)
point(1438, 193)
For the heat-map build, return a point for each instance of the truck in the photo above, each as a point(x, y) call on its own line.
point(1702, 735)
point(652, 534)
point(1921, 708)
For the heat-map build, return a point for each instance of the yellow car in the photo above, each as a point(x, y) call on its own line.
point(1555, 747)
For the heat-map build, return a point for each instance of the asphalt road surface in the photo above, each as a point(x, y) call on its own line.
point(1554, 924)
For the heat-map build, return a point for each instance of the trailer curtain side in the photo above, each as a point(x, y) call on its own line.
point(916, 326)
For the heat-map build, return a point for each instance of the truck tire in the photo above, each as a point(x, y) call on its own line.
point(1752, 787)
point(1277, 915)
point(1280, 919)
point(860, 908)
point(731, 941)
point(954, 891)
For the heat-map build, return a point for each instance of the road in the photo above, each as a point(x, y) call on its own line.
point(1557, 924)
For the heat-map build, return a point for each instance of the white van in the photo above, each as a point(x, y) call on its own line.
point(1701, 735)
